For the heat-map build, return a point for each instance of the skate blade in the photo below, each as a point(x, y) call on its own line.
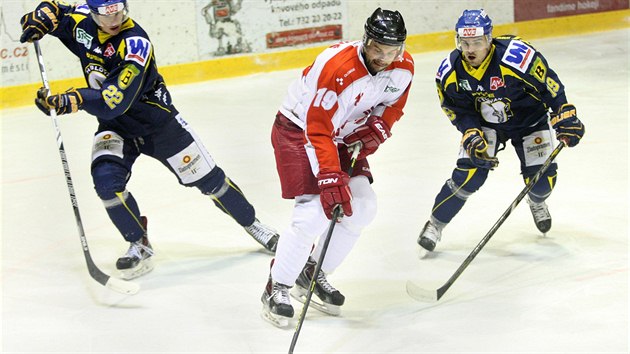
point(300, 293)
point(422, 253)
point(141, 269)
point(276, 320)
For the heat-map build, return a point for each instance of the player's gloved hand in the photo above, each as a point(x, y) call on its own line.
point(43, 20)
point(63, 103)
point(371, 135)
point(335, 191)
point(477, 148)
point(567, 125)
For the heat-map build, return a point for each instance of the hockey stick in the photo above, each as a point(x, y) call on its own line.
point(417, 292)
point(119, 285)
point(355, 153)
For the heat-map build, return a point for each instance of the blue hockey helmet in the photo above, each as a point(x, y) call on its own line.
point(386, 27)
point(474, 23)
point(106, 7)
point(105, 11)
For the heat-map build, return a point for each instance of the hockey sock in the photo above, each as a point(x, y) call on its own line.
point(231, 201)
point(125, 214)
point(542, 189)
point(447, 204)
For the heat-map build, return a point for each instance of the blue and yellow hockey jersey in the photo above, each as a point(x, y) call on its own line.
point(125, 91)
point(511, 90)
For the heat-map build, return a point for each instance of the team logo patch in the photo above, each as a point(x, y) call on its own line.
point(138, 49)
point(496, 82)
point(445, 66)
point(109, 51)
point(539, 70)
point(82, 8)
point(518, 55)
point(84, 38)
point(95, 74)
point(465, 85)
point(127, 75)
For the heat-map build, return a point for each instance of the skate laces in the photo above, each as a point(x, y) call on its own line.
point(432, 232)
point(280, 294)
point(324, 284)
point(260, 232)
point(139, 250)
point(539, 210)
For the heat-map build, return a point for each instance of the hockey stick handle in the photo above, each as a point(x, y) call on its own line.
point(115, 284)
point(504, 216)
point(356, 148)
point(62, 150)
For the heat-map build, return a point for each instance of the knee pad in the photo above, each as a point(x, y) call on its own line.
point(214, 183)
point(465, 181)
point(109, 178)
point(542, 189)
point(363, 204)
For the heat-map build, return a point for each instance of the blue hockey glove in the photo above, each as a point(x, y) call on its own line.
point(567, 125)
point(43, 20)
point(476, 147)
point(63, 103)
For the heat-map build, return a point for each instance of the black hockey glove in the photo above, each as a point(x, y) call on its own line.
point(43, 20)
point(477, 148)
point(567, 125)
point(63, 103)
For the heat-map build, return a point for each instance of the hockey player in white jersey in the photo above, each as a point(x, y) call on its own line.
point(353, 92)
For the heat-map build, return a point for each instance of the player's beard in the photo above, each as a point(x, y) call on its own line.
point(376, 66)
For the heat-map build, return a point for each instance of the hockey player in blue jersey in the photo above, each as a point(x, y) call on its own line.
point(135, 116)
point(494, 90)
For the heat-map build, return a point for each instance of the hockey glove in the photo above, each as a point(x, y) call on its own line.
point(43, 20)
point(371, 135)
point(335, 191)
point(567, 125)
point(63, 103)
point(477, 148)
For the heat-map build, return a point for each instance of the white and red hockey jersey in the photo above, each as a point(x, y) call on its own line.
point(336, 94)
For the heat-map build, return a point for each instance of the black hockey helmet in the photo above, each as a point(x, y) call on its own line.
point(386, 27)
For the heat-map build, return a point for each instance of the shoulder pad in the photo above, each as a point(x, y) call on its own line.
point(518, 55)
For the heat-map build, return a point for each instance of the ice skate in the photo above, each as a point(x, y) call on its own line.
point(429, 236)
point(328, 299)
point(137, 261)
point(276, 308)
point(264, 235)
point(541, 215)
